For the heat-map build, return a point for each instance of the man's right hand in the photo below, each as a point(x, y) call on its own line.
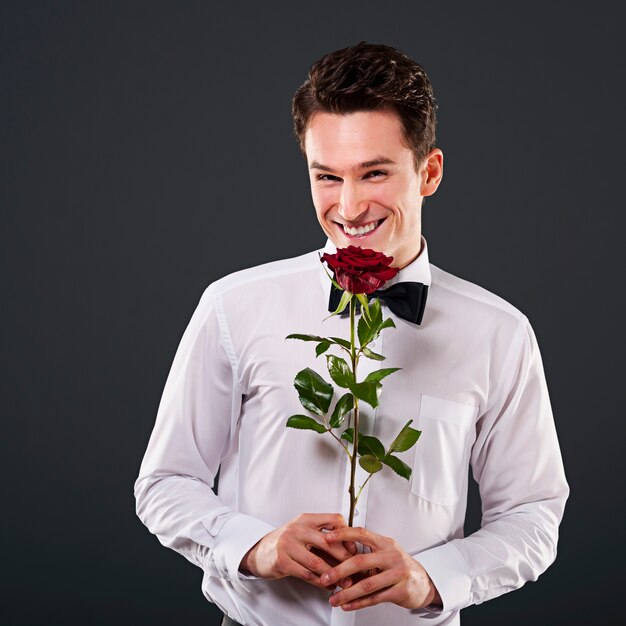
point(298, 549)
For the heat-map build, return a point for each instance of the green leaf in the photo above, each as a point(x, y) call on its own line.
point(406, 438)
point(339, 371)
point(362, 330)
point(370, 327)
point(372, 355)
point(306, 423)
point(388, 323)
point(321, 347)
point(365, 331)
point(368, 392)
point(370, 464)
point(397, 465)
point(332, 280)
point(371, 445)
point(367, 444)
point(344, 405)
point(305, 337)
point(375, 313)
point(380, 374)
point(362, 298)
point(343, 303)
point(314, 392)
point(344, 343)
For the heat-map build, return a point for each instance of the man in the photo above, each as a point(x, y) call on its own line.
point(274, 545)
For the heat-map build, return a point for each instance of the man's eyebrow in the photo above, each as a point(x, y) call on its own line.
point(359, 166)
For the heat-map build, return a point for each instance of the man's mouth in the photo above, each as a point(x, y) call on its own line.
point(360, 231)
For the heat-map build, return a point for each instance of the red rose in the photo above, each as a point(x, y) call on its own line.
point(360, 270)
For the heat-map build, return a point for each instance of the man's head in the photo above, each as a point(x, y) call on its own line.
point(365, 119)
point(370, 77)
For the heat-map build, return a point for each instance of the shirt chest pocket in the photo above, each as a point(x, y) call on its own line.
point(442, 452)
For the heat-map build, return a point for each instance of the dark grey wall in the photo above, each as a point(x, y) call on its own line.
point(146, 150)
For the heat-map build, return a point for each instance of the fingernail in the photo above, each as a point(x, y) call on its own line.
point(325, 579)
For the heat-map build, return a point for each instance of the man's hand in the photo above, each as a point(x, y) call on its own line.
point(394, 576)
point(298, 549)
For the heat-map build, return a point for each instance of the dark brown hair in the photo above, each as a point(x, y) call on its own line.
point(370, 77)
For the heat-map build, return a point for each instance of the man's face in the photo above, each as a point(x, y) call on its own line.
point(365, 187)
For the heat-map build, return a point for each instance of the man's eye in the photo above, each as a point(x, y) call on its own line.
point(327, 177)
point(375, 174)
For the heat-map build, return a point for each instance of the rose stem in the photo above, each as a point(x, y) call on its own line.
point(355, 436)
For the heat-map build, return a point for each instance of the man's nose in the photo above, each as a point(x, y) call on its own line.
point(351, 202)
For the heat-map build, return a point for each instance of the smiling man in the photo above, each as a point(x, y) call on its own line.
point(366, 185)
point(273, 544)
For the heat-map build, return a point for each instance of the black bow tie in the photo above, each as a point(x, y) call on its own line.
point(407, 300)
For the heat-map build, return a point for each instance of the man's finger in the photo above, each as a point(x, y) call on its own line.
point(337, 550)
point(359, 535)
point(311, 561)
point(298, 571)
point(326, 521)
point(385, 595)
point(363, 589)
point(358, 563)
point(306, 566)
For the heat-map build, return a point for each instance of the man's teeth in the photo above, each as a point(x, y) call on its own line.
point(361, 230)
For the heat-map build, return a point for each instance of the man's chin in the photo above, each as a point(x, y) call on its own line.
point(357, 243)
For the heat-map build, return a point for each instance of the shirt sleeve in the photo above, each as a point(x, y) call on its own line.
point(194, 427)
point(517, 463)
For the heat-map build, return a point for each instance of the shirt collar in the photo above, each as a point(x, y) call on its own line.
point(416, 271)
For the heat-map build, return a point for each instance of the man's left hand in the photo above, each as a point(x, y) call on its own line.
point(391, 574)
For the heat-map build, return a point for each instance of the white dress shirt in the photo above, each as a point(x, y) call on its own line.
point(472, 380)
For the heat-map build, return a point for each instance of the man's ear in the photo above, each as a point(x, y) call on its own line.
point(431, 171)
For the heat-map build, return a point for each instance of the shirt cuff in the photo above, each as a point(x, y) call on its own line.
point(450, 574)
point(236, 537)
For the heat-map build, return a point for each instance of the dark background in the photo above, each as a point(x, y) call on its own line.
point(146, 150)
